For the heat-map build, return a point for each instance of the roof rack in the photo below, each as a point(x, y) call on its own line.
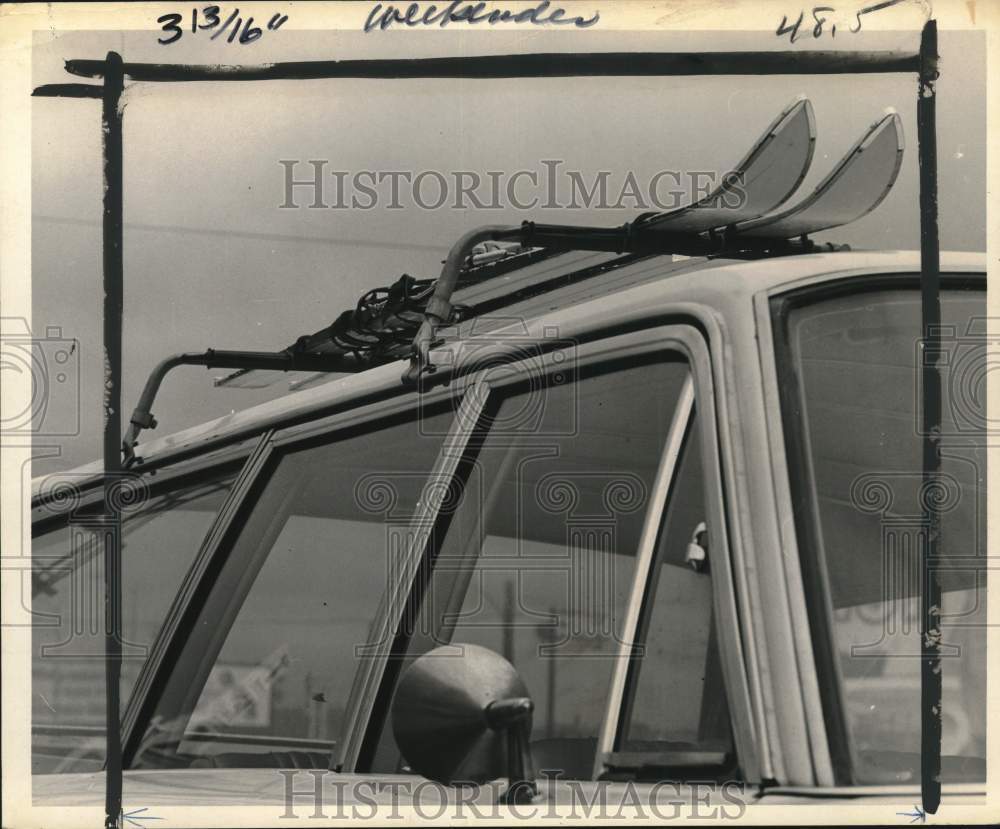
point(399, 321)
point(744, 217)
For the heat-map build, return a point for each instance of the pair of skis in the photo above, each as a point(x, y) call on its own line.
point(749, 201)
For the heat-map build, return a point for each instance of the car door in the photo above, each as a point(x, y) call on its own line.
point(585, 540)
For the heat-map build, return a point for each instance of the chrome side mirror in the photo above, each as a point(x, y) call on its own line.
point(463, 714)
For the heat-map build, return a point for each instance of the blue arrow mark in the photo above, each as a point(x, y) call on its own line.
point(916, 814)
point(135, 816)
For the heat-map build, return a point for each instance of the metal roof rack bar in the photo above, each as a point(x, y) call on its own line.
point(287, 360)
point(631, 237)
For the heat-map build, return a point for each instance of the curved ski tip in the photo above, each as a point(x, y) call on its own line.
point(801, 105)
point(798, 110)
point(810, 117)
point(797, 103)
point(897, 125)
point(889, 121)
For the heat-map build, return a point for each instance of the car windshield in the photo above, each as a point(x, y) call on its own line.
point(163, 530)
point(850, 369)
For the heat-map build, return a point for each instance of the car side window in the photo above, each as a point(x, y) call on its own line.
point(675, 713)
point(265, 678)
point(162, 532)
point(538, 557)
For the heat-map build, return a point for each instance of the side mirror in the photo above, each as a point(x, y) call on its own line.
point(462, 714)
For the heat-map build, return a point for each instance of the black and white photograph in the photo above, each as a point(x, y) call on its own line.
point(511, 411)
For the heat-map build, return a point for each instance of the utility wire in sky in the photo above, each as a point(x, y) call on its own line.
point(245, 234)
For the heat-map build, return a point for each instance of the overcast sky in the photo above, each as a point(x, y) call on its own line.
point(211, 261)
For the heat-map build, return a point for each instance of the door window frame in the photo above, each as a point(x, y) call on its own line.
point(689, 342)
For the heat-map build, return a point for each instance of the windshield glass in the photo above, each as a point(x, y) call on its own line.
point(163, 531)
point(849, 364)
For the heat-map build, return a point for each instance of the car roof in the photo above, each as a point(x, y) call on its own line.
point(650, 284)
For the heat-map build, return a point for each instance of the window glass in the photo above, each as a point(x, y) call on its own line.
point(856, 359)
point(162, 534)
point(538, 554)
point(266, 676)
point(676, 700)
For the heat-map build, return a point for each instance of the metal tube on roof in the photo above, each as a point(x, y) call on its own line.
point(438, 308)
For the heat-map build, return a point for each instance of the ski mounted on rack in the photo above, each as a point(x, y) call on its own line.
point(493, 266)
point(761, 182)
point(852, 189)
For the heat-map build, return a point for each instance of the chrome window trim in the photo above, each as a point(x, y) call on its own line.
point(400, 404)
point(138, 703)
point(44, 512)
point(815, 723)
point(386, 621)
point(644, 558)
point(729, 410)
